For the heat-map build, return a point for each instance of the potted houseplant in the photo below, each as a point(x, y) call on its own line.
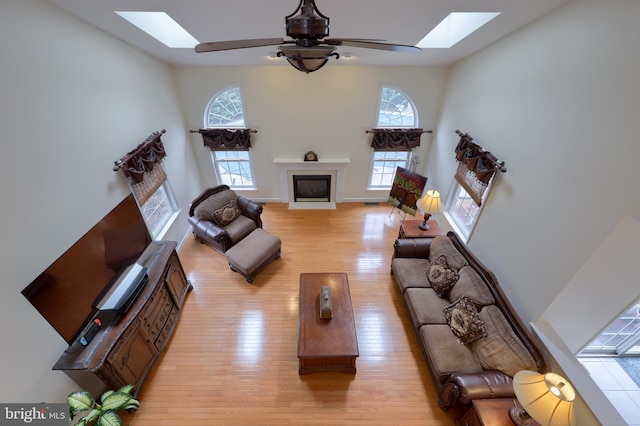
point(104, 412)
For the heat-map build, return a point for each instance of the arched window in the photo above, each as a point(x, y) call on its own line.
point(226, 111)
point(395, 110)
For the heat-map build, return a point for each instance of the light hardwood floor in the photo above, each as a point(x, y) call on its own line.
point(233, 357)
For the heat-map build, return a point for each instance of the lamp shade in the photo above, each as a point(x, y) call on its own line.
point(430, 202)
point(548, 398)
point(307, 59)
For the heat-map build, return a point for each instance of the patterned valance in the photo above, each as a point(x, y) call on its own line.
point(476, 167)
point(396, 139)
point(225, 139)
point(142, 159)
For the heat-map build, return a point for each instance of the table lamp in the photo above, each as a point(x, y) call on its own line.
point(429, 204)
point(547, 398)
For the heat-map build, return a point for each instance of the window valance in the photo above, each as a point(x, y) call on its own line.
point(476, 167)
point(142, 167)
point(226, 139)
point(396, 139)
point(142, 159)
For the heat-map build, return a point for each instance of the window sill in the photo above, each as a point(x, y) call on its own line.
point(463, 236)
point(167, 226)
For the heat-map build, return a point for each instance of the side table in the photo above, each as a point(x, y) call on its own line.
point(411, 229)
point(490, 412)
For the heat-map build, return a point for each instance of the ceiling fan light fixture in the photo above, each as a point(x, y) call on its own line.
point(308, 59)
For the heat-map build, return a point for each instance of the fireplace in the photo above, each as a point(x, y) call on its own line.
point(312, 188)
point(335, 168)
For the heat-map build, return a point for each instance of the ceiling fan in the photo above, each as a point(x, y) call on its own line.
point(309, 49)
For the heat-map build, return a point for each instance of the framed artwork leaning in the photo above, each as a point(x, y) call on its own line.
point(406, 190)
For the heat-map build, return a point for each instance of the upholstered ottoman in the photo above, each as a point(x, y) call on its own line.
point(254, 252)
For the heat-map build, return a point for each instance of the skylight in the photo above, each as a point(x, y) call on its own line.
point(454, 28)
point(162, 27)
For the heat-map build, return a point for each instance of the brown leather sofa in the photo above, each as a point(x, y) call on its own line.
point(470, 355)
point(220, 218)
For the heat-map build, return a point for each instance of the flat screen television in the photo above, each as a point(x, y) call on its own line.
point(67, 294)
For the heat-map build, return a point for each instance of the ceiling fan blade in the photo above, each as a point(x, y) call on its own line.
point(341, 40)
point(215, 46)
point(380, 46)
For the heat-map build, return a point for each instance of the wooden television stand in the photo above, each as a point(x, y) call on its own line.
point(127, 345)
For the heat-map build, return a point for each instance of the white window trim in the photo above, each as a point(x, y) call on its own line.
point(235, 188)
point(416, 122)
point(205, 118)
point(174, 206)
point(416, 117)
point(371, 167)
point(465, 236)
point(212, 153)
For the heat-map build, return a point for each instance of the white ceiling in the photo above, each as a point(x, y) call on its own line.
point(396, 21)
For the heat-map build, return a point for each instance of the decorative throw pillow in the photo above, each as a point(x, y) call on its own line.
point(226, 214)
point(463, 319)
point(441, 276)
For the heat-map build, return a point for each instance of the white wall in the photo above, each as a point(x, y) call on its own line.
point(558, 101)
point(327, 111)
point(74, 100)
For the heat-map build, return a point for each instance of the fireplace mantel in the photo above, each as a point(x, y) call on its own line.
point(334, 167)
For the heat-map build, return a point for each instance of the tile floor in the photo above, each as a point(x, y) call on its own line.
point(623, 393)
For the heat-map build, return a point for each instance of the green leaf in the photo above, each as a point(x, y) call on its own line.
point(80, 401)
point(106, 394)
point(110, 418)
point(133, 405)
point(89, 418)
point(105, 412)
point(126, 389)
point(116, 401)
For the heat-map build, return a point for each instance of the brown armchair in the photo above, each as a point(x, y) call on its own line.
point(220, 218)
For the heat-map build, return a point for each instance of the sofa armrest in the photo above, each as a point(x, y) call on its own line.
point(412, 247)
point(463, 388)
point(250, 209)
point(206, 229)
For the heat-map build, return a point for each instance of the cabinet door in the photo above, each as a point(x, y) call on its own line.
point(132, 357)
point(470, 419)
point(176, 279)
point(156, 312)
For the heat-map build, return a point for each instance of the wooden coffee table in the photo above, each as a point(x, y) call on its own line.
point(326, 345)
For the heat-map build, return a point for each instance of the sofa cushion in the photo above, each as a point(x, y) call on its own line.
point(501, 349)
point(464, 321)
point(441, 276)
point(442, 246)
point(425, 307)
point(409, 272)
point(470, 284)
point(240, 228)
point(445, 353)
point(226, 214)
point(208, 207)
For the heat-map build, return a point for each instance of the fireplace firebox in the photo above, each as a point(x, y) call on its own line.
point(310, 188)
